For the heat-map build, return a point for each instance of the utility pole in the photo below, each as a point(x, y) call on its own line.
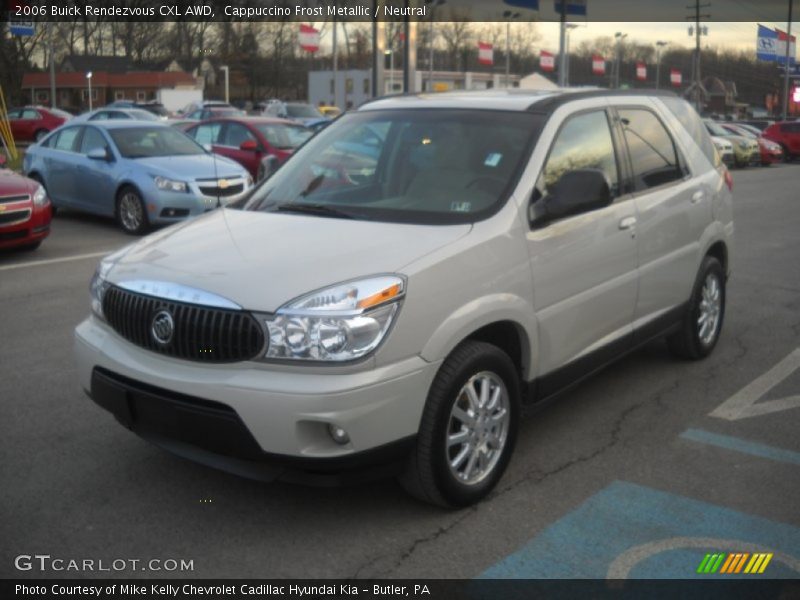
point(508, 15)
point(697, 33)
point(659, 45)
point(619, 37)
point(787, 65)
point(562, 42)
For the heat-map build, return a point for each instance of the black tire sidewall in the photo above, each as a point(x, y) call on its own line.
point(710, 265)
point(491, 359)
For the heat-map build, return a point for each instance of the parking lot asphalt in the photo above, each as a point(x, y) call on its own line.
point(629, 474)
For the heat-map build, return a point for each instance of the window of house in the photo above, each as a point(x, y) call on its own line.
point(42, 97)
point(348, 85)
point(85, 94)
point(366, 86)
point(141, 96)
point(119, 95)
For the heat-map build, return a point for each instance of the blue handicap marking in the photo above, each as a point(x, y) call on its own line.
point(631, 531)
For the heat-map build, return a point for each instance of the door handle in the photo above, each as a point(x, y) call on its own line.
point(627, 223)
point(697, 196)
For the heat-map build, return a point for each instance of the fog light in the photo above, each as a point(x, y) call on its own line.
point(339, 435)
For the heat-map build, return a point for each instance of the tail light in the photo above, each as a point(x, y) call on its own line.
point(728, 178)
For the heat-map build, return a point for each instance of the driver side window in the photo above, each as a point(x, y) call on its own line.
point(583, 142)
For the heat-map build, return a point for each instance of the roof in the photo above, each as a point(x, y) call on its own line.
point(82, 63)
point(134, 79)
point(254, 120)
point(501, 99)
point(124, 124)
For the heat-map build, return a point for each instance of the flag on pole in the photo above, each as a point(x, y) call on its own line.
point(308, 38)
point(547, 61)
point(780, 53)
point(485, 53)
point(675, 77)
point(598, 65)
point(641, 71)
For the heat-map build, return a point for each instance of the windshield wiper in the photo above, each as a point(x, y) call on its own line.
point(323, 210)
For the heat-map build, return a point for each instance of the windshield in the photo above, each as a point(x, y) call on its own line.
point(147, 142)
point(60, 113)
point(715, 129)
point(303, 111)
point(284, 137)
point(419, 166)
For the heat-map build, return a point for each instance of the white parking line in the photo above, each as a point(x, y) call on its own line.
point(52, 261)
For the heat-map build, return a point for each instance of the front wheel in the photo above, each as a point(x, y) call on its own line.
point(701, 326)
point(131, 214)
point(468, 429)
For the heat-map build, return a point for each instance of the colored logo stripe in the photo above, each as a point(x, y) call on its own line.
point(731, 563)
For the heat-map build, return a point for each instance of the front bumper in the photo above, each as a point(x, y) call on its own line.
point(32, 230)
point(165, 207)
point(255, 420)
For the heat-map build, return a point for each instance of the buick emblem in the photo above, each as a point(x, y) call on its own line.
point(163, 327)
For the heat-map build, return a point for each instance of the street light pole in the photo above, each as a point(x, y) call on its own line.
point(89, 80)
point(562, 41)
point(619, 36)
point(569, 27)
point(390, 52)
point(659, 45)
point(227, 82)
point(786, 64)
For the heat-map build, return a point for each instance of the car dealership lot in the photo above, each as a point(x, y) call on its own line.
point(630, 459)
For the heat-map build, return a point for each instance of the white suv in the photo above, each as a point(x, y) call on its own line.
point(389, 298)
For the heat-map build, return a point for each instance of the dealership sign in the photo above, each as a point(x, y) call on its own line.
point(771, 46)
point(598, 65)
point(675, 77)
point(308, 38)
point(641, 71)
point(485, 53)
point(547, 61)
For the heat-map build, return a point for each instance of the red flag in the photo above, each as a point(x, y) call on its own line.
point(308, 38)
point(598, 65)
point(485, 53)
point(641, 71)
point(675, 77)
point(547, 61)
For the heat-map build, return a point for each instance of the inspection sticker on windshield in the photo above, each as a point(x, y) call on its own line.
point(493, 159)
point(461, 206)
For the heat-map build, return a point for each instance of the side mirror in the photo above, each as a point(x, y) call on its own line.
point(98, 154)
point(577, 191)
point(249, 145)
point(269, 164)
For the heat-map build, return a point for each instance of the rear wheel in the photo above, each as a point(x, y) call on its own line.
point(131, 214)
point(702, 323)
point(468, 429)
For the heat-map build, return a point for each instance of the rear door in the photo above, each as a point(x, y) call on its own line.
point(584, 265)
point(233, 134)
point(674, 208)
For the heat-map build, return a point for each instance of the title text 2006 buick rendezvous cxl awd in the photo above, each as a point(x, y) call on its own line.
point(387, 300)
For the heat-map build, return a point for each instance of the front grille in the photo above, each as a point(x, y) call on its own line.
point(215, 190)
point(13, 235)
point(9, 199)
point(200, 333)
point(13, 217)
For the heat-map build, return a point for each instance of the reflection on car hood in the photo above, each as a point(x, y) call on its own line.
point(196, 166)
point(263, 260)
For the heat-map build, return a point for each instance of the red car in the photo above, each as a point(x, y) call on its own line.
point(250, 140)
point(32, 123)
point(25, 211)
point(770, 151)
point(787, 134)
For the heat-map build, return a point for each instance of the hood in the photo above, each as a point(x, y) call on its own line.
point(196, 166)
point(263, 260)
point(12, 184)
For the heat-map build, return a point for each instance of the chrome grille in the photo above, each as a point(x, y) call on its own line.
point(212, 187)
point(9, 199)
point(204, 334)
point(14, 217)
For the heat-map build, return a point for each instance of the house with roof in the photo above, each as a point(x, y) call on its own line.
point(113, 78)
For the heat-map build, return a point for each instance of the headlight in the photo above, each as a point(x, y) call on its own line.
point(169, 185)
point(97, 289)
point(39, 196)
point(339, 323)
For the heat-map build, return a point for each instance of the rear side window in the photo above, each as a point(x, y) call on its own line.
point(206, 134)
point(92, 139)
point(66, 139)
point(690, 120)
point(652, 151)
point(584, 142)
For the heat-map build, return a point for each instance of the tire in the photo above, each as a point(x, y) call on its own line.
point(429, 475)
point(696, 340)
point(130, 211)
point(37, 137)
